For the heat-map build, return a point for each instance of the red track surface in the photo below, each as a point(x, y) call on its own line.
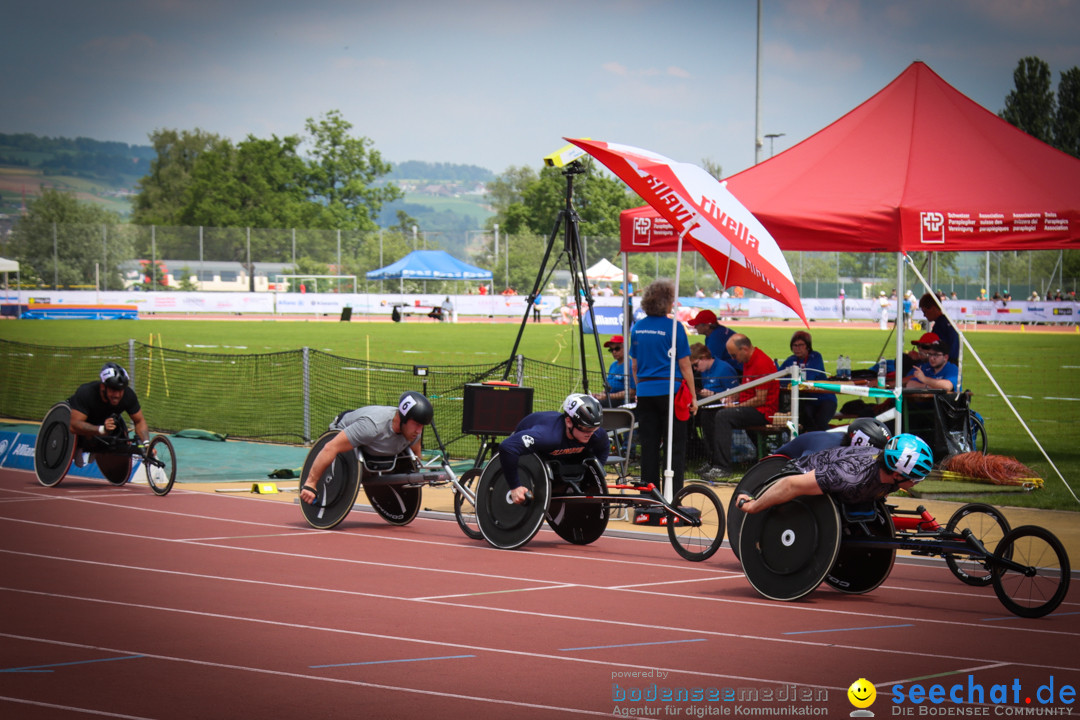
point(118, 603)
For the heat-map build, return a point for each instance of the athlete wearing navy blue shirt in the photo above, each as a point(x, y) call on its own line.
point(569, 436)
point(861, 431)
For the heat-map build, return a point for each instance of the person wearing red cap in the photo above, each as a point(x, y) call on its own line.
point(918, 353)
point(716, 336)
point(617, 393)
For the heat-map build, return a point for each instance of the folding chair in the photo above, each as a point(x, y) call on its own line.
point(620, 423)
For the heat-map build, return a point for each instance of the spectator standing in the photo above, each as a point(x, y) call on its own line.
point(716, 336)
point(883, 305)
point(940, 325)
point(650, 354)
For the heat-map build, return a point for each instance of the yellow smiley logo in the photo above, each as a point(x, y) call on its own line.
point(862, 693)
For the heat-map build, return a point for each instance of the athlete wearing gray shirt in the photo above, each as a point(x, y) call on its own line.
point(375, 429)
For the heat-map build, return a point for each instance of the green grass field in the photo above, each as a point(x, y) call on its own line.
point(1037, 371)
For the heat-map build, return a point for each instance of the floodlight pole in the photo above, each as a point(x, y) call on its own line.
point(568, 221)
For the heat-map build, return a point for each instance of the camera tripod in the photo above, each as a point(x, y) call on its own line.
point(567, 221)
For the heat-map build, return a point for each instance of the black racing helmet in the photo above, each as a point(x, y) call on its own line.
point(865, 432)
point(583, 410)
point(114, 376)
point(414, 406)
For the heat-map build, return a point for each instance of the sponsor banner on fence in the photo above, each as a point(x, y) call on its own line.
point(17, 453)
point(551, 305)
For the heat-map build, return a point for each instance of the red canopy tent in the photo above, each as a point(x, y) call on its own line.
point(917, 167)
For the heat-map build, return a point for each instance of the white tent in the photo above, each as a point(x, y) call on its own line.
point(607, 271)
point(8, 265)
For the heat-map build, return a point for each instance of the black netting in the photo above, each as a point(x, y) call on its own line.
point(257, 396)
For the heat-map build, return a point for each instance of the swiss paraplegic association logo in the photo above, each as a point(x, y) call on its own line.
point(642, 230)
point(932, 227)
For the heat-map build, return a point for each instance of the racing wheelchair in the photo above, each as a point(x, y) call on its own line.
point(56, 447)
point(787, 550)
point(575, 501)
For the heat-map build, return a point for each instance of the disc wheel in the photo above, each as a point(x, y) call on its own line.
point(116, 467)
point(989, 526)
point(504, 524)
point(396, 504)
point(755, 478)
point(788, 549)
point(579, 522)
point(1042, 585)
point(55, 446)
point(465, 509)
point(160, 465)
point(859, 569)
point(696, 542)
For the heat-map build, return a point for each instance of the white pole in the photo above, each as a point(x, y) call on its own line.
point(669, 474)
point(757, 96)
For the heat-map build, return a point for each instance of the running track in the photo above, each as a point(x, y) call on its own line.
point(120, 604)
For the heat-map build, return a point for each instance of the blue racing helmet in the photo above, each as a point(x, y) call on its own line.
point(910, 456)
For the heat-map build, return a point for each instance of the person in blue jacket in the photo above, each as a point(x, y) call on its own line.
point(650, 353)
point(616, 376)
point(817, 409)
point(937, 373)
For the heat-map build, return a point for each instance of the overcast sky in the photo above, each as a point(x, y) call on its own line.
point(499, 83)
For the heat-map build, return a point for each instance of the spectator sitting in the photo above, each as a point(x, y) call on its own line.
point(755, 406)
point(716, 336)
point(816, 410)
point(716, 376)
point(616, 376)
point(937, 373)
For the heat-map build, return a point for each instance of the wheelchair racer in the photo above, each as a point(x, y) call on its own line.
point(851, 474)
point(860, 432)
point(569, 435)
point(379, 430)
point(96, 409)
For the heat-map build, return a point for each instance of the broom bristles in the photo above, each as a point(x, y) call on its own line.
point(998, 469)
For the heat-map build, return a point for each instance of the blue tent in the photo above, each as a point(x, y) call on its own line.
point(429, 265)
